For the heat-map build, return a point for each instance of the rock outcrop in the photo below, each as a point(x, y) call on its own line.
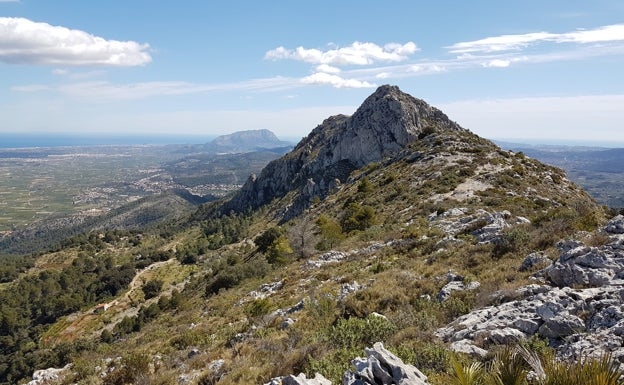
point(382, 127)
point(301, 379)
point(380, 367)
point(580, 309)
point(47, 376)
point(485, 226)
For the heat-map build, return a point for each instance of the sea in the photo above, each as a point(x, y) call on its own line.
point(15, 140)
point(30, 140)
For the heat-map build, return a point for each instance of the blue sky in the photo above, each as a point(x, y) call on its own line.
point(520, 70)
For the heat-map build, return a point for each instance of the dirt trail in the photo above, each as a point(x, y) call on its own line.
point(113, 311)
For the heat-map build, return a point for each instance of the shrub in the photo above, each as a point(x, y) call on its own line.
point(330, 232)
point(231, 276)
point(511, 240)
point(334, 364)
point(426, 356)
point(134, 368)
point(106, 336)
point(358, 332)
point(152, 288)
point(266, 239)
point(358, 217)
point(279, 251)
point(259, 307)
point(365, 186)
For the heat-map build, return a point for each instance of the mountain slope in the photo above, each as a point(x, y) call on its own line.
point(384, 226)
point(138, 215)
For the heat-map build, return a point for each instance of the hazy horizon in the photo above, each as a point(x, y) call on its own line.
point(43, 140)
point(528, 69)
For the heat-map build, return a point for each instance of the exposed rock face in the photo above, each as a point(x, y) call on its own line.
point(382, 367)
point(577, 321)
point(46, 376)
point(449, 288)
point(534, 261)
point(485, 226)
point(385, 123)
point(581, 265)
point(301, 379)
point(616, 225)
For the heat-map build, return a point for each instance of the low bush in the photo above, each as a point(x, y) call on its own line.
point(230, 276)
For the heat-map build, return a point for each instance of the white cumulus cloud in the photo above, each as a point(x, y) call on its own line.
point(609, 33)
point(335, 81)
point(603, 34)
point(358, 53)
point(497, 63)
point(426, 68)
point(327, 69)
point(23, 41)
point(327, 63)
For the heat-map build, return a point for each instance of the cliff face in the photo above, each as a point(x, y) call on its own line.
point(382, 127)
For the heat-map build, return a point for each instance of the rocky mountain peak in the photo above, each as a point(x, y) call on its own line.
point(385, 123)
point(246, 141)
point(382, 127)
point(262, 135)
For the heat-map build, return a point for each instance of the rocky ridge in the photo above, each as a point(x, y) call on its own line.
point(382, 127)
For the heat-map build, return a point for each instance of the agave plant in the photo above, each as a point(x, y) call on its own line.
point(589, 371)
point(599, 371)
point(508, 368)
point(511, 366)
point(466, 375)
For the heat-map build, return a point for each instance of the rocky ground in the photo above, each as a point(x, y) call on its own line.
point(576, 303)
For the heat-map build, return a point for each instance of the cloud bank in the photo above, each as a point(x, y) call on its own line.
point(328, 62)
point(357, 53)
point(362, 63)
point(608, 33)
point(335, 80)
point(104, 91)
point(23, 41)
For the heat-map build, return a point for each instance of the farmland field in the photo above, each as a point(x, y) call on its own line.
point(36, 184)
point(39, 183)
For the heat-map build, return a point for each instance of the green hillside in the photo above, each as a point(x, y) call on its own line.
point(299, 272)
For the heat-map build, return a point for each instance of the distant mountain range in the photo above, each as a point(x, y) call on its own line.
point(246, 141)
point(598, 170)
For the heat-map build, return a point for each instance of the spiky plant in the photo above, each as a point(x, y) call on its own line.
point(535, 363)
point(600, 371)
point(590, 371)
point(466, 375)
point(508, 368)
